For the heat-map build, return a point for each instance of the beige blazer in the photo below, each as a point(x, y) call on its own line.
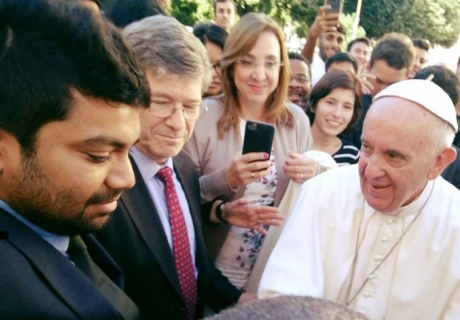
point(211, 157)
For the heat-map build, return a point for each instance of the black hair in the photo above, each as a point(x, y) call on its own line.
point(364, 40)
point(297, 56)
point(124, 12)
point(328, 83)
point(444, 78)
point(422, 44)
point(341, 57)
point(208, 31)
point(48, 48)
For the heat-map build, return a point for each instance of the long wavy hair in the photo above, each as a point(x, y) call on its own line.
point(240, 41)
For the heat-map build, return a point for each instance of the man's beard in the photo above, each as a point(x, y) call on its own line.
point(53, 208)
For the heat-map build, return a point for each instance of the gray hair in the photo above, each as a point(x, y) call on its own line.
point(441, 135)
point(164, 45)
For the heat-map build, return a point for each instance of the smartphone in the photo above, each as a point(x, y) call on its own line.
point(258, 137)
point(336, 6)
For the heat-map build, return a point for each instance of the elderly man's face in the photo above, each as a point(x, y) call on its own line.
point(162, 138)
point(397, 157)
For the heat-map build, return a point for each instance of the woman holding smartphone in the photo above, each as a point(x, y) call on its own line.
point(255, 79)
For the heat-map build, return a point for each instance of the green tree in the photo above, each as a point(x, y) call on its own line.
point(189, 12)
point(435, 20)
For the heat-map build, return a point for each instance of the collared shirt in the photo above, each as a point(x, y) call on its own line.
point(60, 242)
point(331, 224)
point(149, 169)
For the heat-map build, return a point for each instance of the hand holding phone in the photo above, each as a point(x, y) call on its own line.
point(336, 6)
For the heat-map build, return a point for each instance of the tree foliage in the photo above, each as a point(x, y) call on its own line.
point(435, 20)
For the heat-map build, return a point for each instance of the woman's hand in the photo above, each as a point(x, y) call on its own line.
point(247, 168)
point(242, 214)
point(300, 168)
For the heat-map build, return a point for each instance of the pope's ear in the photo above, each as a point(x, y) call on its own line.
point(445, 157)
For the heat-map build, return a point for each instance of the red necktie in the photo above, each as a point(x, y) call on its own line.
point(181, 246)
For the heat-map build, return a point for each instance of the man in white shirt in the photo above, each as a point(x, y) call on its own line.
point(328, 33)
point(382, 237)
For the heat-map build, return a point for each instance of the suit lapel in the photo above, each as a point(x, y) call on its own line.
point(68, 282)
point(140, 207)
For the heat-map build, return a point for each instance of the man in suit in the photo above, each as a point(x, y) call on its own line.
point(141, 237)
point(70, 92)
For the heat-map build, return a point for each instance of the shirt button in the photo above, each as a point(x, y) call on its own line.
point(389, 221)
point(367, 294)
point(371, 276)
point(384, 239)
point(377, 257)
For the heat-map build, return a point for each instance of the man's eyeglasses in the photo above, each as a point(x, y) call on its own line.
point(300, 78)
point(164, 109)
point(269, 65)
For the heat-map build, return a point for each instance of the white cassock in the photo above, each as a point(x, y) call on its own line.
point(419, 279)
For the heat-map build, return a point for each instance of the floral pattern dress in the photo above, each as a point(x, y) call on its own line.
point(242, 245)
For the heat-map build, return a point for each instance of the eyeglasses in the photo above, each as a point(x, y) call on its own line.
point(163, 109)
point(216, 67)
point(300, 78)
point(269, 65)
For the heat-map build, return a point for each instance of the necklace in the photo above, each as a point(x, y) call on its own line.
point(348, 299)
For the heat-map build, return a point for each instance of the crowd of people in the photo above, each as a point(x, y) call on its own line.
point(125, 194)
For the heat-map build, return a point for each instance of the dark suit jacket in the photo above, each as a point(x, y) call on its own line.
point(135, 238)
point(38, 282)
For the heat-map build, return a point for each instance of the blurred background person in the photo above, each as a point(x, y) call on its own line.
point(213, 37)
point(360, 49)
point(328, 34)
point(342, 61)
point(422, 48)
point(299, 83)
point(224, 14)
point(335, 107)
point(255, 77)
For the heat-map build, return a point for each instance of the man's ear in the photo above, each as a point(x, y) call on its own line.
point(10, 151)
point(446, 157)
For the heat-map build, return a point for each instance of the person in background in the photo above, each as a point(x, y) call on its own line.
point(299, 84)
point(224, 13)
point(360, 49)
point(448, 81)
point(335, 107)
point(124, 12)
point(422, 48)
point(69, 114)
point(328, 33)
point(360, 231)
point(342, 61)
point(213, 37)
point(255, 76)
